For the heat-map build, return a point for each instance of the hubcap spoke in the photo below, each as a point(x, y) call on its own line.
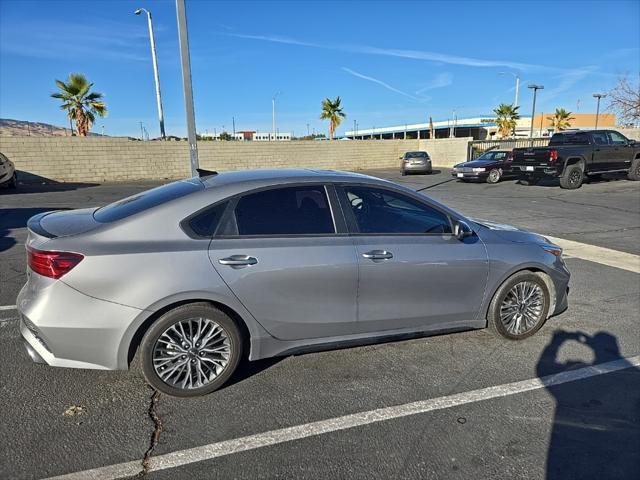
point(191, 353)
point(522, 308)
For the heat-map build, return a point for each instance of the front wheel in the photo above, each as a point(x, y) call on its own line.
point(494, 176)
point(634, 171)
point(520, 306)
point(191, 350)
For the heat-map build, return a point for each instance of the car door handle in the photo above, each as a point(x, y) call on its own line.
point(378, 255)
point(238, 260)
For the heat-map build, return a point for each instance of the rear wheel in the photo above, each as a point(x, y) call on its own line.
point(634, 171)
point(191, 350)
point(402, 172)
point(572, 177)
point(494, 176)
point(520, 306)
point(529, 181)
point(13, 182)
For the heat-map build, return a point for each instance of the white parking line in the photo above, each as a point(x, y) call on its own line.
point(7, 307)
point(604, 256)
point(274, 437)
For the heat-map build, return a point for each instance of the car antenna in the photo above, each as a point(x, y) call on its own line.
point(205, 173)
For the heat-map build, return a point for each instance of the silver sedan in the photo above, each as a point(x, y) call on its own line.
point(187, 278)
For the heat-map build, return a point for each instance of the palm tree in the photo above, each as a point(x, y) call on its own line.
point(561, 120)
point(331, 111)
point(81, 104)
point(506, 116)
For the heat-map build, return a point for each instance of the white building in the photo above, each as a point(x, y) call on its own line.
point(250, 135)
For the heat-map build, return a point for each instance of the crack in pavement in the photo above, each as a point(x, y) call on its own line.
point(155, 435)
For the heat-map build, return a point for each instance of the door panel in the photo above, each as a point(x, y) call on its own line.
point(431, 281)
point(621, 153)
point(297, 288)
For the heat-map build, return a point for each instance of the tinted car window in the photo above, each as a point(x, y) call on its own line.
point(382, 211)
point(600, 138)
point(617, 139)
point(415, 155)
point(145, 200)
point(285, 211)
point(205, 223)
point(569, 139)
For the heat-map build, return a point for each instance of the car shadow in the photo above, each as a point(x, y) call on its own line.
point(13, 218)
point(32, 183)
point(248, 369)
point(596, 426)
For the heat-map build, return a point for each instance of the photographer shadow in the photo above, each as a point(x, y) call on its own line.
point(596, 428)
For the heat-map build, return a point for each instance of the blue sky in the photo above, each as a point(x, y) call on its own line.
point(390, 62)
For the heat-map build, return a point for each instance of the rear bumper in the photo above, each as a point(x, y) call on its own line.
point(417, 168)
point(524, 171)
point(65, 328)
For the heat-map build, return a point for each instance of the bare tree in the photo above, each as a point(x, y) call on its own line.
point(624, 100)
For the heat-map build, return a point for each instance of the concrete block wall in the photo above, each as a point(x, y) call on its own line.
point(76, 159)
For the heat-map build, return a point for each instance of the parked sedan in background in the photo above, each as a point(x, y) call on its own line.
point(7, 172)
point(415, 162)
point(490, 167)
point(188, 276)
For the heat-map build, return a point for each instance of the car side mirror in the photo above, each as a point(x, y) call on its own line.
point(461, 230)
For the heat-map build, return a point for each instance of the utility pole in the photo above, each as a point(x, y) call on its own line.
point(141, 131)
point(598, 96)
point(233, 119)
point(156, 75)
point(273, 115)
point(186, 82)
point(517, 77)
point(535, 88)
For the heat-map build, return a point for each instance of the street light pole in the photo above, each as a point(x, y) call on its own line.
point(598, 96)
point(156, 75)
point(535, 88)
point(273, 115)
point(517, 77)
point(186, 83)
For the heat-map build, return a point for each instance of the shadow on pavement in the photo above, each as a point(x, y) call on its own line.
point(596, 428)
point(32, 183)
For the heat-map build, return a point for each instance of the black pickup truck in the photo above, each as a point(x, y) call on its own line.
point(573, 155)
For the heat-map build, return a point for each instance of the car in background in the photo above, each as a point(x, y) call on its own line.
point(187, 278)
point(8, 177)
point(415, 162)
point(489, 167)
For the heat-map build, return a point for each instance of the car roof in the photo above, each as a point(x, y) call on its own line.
point(280, 176)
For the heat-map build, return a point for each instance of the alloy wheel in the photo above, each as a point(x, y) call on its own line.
point(191, 353)
point(522, 308)
point(574, 177)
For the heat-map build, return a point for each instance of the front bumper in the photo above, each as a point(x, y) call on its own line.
point(470, 175)
point(66, 328)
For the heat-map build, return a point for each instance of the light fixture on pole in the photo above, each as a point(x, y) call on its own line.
point(598, 96)
point(273, 115)
point(183, 38)
point(156, 75)
point(535, 87)
point(517, 77)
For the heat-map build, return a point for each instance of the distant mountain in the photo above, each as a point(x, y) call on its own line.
point(22, 128)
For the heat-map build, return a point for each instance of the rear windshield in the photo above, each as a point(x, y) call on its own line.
point(415, 155)
point(569, 139)
point(145, 200)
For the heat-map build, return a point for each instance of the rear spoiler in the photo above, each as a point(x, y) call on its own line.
point(34, 225)
point(205, 173)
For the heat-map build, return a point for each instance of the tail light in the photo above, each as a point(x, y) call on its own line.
point(52, 264)
point(553, 155)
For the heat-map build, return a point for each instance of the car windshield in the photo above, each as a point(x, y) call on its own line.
point(492, 156)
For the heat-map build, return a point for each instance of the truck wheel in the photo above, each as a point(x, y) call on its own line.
point(494, 176)
point(572, 177)
point(634, 171)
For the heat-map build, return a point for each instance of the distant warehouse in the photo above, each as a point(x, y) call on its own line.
point(480, 128)
point(251, 136)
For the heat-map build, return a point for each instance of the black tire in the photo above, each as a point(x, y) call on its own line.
point(634, 171)
point(529, 181)
point(494, 321)
point(403, 173)
point(572, 177)
point(183, 313)
point(13, 183)
point(494, 175)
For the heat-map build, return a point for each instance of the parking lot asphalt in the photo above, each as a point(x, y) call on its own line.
point(587, 428)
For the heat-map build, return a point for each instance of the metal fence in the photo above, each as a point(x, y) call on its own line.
point(478, 147)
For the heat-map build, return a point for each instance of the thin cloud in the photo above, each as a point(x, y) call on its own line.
point(441, 80)
point(393, 52)
point(380, 82)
